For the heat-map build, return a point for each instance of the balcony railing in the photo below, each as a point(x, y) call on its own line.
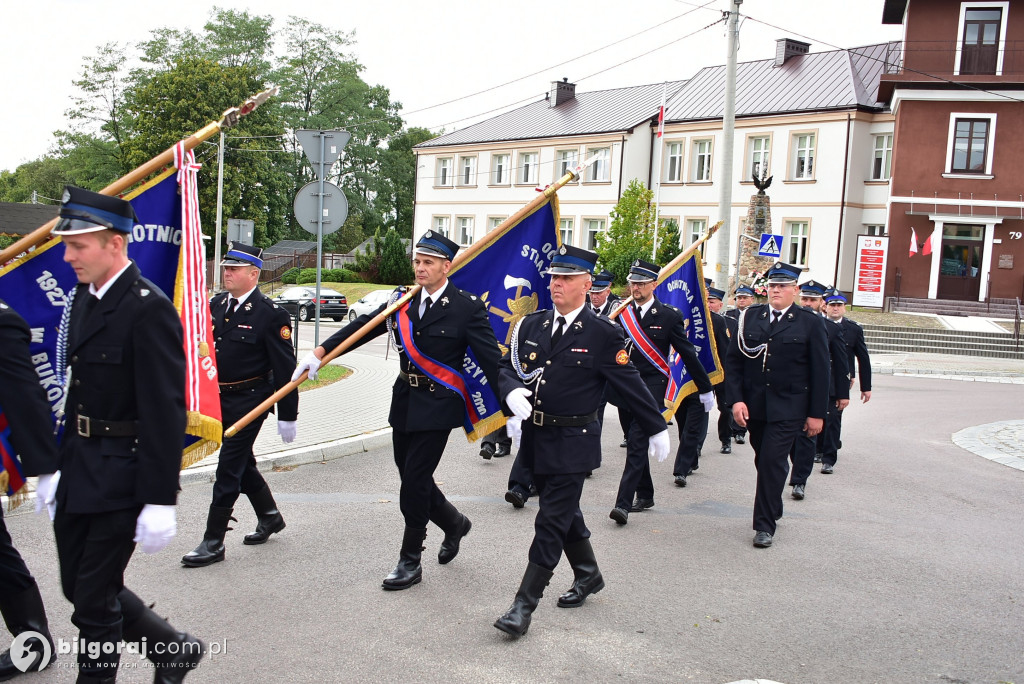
point(941, 58)
point(967, 205)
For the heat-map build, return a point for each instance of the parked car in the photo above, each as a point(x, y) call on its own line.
point(303, 299)
point(368, 304)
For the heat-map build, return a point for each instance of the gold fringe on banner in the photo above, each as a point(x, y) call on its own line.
point(209, 430)
point(486, 427)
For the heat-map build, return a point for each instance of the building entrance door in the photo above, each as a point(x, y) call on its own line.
point(960, 262)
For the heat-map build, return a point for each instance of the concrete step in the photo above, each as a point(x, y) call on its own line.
point(897, 338)
point(994, 308)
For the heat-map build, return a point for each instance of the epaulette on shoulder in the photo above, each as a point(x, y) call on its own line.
point(608, 321)
point(468, 295)
point(145, 290)
point(537, 312)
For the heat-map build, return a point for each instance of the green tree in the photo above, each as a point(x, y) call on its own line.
point(395, 266)
point(668, 242)
point(44, 176)
point(630, 235)
point(398, 179)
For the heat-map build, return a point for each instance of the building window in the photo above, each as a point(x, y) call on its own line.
point(803, 156)
point(874, 230)
point(565, 161)
point(467, 170)
point(797, 233)
point(695, 228)
point(494, 221)
point(982, 38)
point(442, 225)
point(499, 169)
point(565, 230)
point(593, 226)
point(970, 146)
point(881, 165)
point(528, 168)
point(760, 146)
point(600, 170)
point(673, 162)
point(465, 224)
point(701, 161)
point(444, 171)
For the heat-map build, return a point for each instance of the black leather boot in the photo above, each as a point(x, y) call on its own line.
point(408, 571)
point(174, 653)
point(211, 549)
point(24, 612)
point(584, 568)
point(455, 526)
point(516, 619)
point(270, 518)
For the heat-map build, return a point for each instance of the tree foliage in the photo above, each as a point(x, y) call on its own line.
point(630, 235)
point(395, 266)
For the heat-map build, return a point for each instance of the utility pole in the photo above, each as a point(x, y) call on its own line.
point(220, 214)
point(723, 251)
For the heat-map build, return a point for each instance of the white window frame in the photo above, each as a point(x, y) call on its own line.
point(885, 173)
point(875, 229)
point(526, 171)
point(464, 162)
point(692, 229)
point(674, 160)
point(696, 154)
point(802, 241)
point(990, 145)
point(494, 221)
point(466, 226)
point(1003, 23)
point(444, 175)
point(795, 150)
point(562, 166)
point(762, 155)
point(566, 224)
point(442, 224)
point(506, 168)
point(600, 170)
point(592, 227)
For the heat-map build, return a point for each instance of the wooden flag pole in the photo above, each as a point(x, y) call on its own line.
point(228, 119)
point(460, 259)
point(671, 266)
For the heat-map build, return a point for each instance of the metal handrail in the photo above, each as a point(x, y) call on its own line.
point(1018, 314)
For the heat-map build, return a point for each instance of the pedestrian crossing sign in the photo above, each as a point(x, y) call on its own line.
point(771, 245)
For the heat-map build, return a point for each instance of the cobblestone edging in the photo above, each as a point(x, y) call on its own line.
point(1002, 442)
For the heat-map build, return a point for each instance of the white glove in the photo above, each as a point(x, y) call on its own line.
point(309, 362)
point(287, 430)
point(657, 446)
point(518, 402)
point(155, 527)
point(46, 493)
point(707, 400)
point(514, 428)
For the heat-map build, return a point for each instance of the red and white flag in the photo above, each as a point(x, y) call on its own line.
point(913, 242)
point(661, 111)
point(929, 243)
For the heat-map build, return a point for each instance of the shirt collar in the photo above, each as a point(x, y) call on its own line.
point(569, 317)
point(782, 312)
point(241, 300)
point(109, 284)
point(433, 297)
point(646, 307)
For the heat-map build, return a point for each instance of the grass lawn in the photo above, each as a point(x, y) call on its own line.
point(352, 291)
point(328, 374)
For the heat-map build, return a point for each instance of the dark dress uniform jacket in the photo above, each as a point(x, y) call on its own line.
point(127, 363)
point(590, 353)
point(839, 373)
point(455, 322)
point(254, 343)
point(792, 381)
point(22, 398)
point(610, 305)
point(853, 335)
point(723, 329)
point(664, 326)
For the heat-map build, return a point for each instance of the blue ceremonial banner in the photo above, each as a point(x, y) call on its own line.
point(684, 289)
point(507, 276)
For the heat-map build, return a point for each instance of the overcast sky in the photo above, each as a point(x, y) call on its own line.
point(427, 53)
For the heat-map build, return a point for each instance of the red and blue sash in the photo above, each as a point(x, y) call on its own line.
point(12, 479)
point(435, 370)
point(650, 352)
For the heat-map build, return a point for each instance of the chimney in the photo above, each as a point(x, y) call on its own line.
point(561, 91)
point(787, 47)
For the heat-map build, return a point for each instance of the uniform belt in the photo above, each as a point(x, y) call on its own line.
point(547, 420)
point(248, 383)
point(91, 427)
point(417, 380)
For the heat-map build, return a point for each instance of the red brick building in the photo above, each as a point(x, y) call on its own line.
point(957, 92)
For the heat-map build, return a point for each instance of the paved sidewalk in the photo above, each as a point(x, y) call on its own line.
point(1002, 442)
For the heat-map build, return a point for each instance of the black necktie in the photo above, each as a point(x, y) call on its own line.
point(559, 329)
point(232, 307)
point(776, 315)
point(426, 306)
point(597, 310)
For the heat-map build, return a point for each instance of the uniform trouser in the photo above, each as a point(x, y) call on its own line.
point(93, 550)
point(499, 436)
point(772, 443)
point(14, 574)
point(625, 420)
point(636, 476)
point(559, 520)
point(692, 423)
point(724, 415)
point(520, 477)
point(802, 455)
point(236, 468)
point(417, 455)
point(833, 431)
point(737, 429)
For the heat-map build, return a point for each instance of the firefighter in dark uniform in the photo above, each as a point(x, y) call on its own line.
point(123, 439)
point(853, 335)
point(445, 322)
point(551, 381)
point(254, 360)
point(601, 297)
point(838, 390)
point(664, 327)
point(723, 329)
point(776, 377)
point(27, 415)
point(743, 297)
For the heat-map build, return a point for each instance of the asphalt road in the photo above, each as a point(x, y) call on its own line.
point(903, 566)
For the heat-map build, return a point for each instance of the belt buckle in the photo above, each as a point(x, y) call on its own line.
point(538, 418)
point(84, 426)
point(414, 380)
